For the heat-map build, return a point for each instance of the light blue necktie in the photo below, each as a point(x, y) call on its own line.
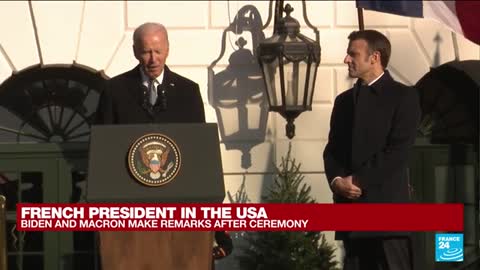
point(153, 92)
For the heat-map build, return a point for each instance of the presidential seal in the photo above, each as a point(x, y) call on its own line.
point(154, 159)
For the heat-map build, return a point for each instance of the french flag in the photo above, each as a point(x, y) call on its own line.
point(462, 17)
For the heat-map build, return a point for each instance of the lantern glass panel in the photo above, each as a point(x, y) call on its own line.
point(272, 80)
point(292, 38)
point(295, 76)
point(311, 82)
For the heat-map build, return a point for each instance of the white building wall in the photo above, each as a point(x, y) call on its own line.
point(98, 34)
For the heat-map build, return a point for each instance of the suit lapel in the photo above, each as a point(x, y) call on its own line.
point(136, 90)
point(168, 81)
point(134, 85)
point(358, 127)
point(367, 110)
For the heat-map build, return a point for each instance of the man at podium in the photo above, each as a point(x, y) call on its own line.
point(150, 92)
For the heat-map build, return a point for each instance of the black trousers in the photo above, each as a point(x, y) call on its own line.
point(378, 254)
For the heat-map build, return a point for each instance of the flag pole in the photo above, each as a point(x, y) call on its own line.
point(455, 46)
point(361, 25)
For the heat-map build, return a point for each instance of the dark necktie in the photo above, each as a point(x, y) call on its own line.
point(153, 92)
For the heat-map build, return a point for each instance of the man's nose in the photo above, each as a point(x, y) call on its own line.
point(347, 59)
point(151, 57)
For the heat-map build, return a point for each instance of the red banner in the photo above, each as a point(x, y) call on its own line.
point(240, 217)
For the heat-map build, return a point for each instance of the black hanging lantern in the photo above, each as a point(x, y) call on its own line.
point(289, 63)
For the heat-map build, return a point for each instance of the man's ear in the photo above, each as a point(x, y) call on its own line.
point(135, 52)
point(375, 57)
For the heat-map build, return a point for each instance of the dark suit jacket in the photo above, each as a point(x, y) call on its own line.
point(370, 139)
point(124, 101)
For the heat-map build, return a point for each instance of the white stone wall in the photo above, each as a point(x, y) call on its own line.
point(98, 34)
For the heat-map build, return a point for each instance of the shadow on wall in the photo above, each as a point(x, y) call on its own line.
point(237, 92)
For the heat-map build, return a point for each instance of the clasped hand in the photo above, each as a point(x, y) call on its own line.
point(346, 187)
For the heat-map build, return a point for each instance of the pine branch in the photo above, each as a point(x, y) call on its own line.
point(288, 250)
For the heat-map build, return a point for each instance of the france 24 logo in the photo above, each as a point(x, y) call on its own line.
point(449, 247)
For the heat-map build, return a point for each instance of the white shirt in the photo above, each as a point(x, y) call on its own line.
point(146, 80)
point(372, 82)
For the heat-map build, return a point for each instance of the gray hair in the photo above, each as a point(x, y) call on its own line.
point(148, 27)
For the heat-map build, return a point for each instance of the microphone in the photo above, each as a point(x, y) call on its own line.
point(162, 97)
point(146, 100)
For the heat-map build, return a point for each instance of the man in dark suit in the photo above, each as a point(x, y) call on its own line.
point(373, 125)
point(151, 92)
